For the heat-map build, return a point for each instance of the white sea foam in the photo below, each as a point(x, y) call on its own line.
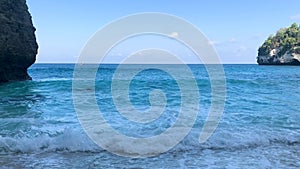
point(69, 140)
point(54, 79)
point(72, 140)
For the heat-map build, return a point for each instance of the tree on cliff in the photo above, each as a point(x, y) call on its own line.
point(285, 40)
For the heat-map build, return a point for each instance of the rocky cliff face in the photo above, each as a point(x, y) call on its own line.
point(283, 48)
point(288, 58)
point(18, 46)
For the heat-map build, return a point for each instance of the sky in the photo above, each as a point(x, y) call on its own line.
point(235, 28)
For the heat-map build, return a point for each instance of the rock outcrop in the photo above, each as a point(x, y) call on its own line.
point(288, 58)
point(281, 49)
point(18, 46)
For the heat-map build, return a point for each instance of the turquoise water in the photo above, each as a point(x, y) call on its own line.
point(259, 129)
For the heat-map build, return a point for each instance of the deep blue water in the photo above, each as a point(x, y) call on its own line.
point(259, 128)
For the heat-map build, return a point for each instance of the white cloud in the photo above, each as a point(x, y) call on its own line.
point(242, 48)
point(232, 40)
point(214, 42)
point(295, 17)
point(174, 35)
point(229, 41)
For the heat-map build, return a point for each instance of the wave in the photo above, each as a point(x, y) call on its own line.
point(67, 141)
point(71, 140)
point(241, 140)
point(54, 79)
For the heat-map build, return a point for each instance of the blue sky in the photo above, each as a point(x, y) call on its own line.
point(236, 28)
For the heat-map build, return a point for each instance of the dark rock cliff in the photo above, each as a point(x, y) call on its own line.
point(283, 48)
point(18, 46)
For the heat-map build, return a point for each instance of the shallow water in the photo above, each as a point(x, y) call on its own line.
point(259, 129)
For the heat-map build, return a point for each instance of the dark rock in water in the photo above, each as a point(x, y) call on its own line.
point(275, 61)
point(18, 46)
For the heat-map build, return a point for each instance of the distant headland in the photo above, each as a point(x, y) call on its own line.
point(18, 46)
point(282, 48)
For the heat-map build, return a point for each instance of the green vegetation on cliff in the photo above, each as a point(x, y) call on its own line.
point(285, 40)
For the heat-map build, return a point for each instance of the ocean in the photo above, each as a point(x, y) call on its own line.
point(260, 126)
